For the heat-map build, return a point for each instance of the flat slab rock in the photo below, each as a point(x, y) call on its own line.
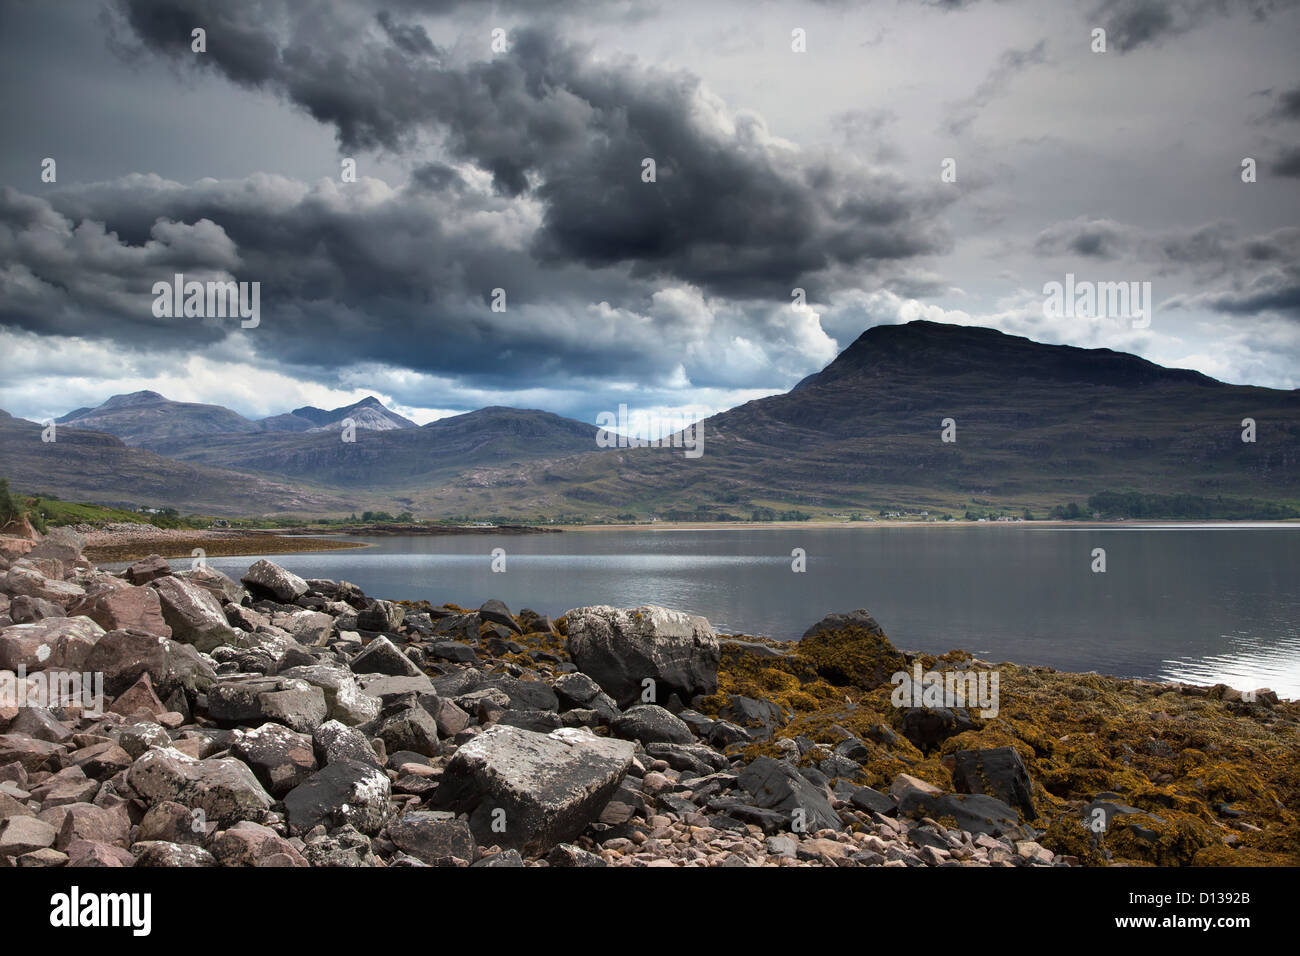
point(529, 791)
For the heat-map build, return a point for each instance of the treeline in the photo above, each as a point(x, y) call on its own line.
point(1132, 504)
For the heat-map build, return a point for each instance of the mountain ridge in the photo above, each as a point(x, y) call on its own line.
point(1033, 424)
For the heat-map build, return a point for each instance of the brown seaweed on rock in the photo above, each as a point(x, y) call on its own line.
point(1187, 775)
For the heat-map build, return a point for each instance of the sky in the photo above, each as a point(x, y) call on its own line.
point(893, 160)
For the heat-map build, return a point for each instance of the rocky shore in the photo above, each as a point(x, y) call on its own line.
point(120, 541)
point(161, 718)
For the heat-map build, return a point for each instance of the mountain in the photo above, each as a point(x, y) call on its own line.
point(369, 414)
point(149, 420)
point(81, 465)
point(1036, 425)
point(402, 459)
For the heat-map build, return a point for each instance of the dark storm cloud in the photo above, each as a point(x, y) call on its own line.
point(1287, 163)
point(729, 210)
point(1257, 274)
point(1131, 24)
point(343, 279)
point(407, 38)
point(1288, 105)
point(402, 278)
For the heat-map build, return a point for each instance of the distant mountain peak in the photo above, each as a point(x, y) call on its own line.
point(369, 413)
point(143, 397)
point(943, 350)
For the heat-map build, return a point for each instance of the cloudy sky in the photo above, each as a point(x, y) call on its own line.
point(484, 165)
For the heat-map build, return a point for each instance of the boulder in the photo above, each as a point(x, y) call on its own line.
point(381, 656)
point(139, 700)
point(496, 612)
point(851, 650)
point(18, 581)
point(463, 627)
point(266, 579)
point(61, 544)
point(280, 758)
point(136, 738)
point(775, 785)
point(124, 608)
point(928, 727)
point(530, 791)
point(55, 643)
point(344, 699)
point(998, 772)
point(974, 813)
point(220, 586)
point(87, 853)
point(225, 789)
point(621, 649)
point(33, 754)
point(150, 569)
point(170, 822)
point(406, 725)
point(25, 609)
point(578, 691)
point(254, 700)
point(312, 628)
point(251, 844)
point(123, 656)
point(381, 616)
point(84, 821)
point(160, 853)
point(20, 834)
point(433, 837)
point(332, 742)
point(193, 614)
point(650, 724)
point(345, 793)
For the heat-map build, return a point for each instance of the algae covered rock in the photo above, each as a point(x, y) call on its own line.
point(851, 650)
point(998, 772)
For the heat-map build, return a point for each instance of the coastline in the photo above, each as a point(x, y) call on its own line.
point(113, 548)
point(117, 544)
point(899, 523)
point(317, 726)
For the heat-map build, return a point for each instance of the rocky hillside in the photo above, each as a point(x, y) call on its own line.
point(1035, 425)
point(277, 721)
point(400, 462)
point(83, 465)
point(147, 419)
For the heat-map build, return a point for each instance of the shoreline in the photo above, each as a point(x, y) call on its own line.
point(900, 523)
point(339, 729)
point(234, 546)
point(118, 544)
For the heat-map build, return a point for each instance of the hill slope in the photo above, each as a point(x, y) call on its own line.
point(399, 459)
point(1035, 425)
point(83, 465)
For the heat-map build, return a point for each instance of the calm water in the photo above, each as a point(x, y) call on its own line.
point(1193, 603)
